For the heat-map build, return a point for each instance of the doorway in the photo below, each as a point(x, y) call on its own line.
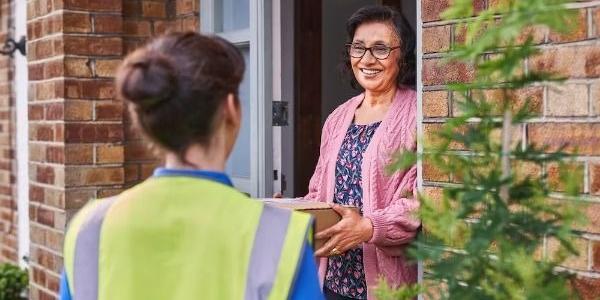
point(318, 86)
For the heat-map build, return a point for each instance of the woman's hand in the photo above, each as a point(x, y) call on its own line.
point(350, 231)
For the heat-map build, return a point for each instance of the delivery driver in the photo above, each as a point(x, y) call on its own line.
point(186, 233)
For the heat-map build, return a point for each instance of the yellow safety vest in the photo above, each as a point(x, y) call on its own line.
point(183, 238)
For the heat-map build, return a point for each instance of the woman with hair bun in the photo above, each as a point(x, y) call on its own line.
point(186, 233)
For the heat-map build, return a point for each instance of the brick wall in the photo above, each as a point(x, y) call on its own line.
point(141, 21)
point(8, 199)
point(81, 144)
point(76, 129)
point(570, 113)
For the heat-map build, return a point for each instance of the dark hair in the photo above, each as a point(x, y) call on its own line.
point(175, 85)
point(406, 35)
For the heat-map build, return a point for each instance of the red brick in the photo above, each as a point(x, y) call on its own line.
point(78, 110)
point(93, 176)
point(76, 22)
point(45, 174)
point(435, 104)
point(189, 23)
point(132, 172)
point(93, 133)
point(154, 9)
point(76, 154)
point(43, 295)
point(47, 90)
point(77, 67)
point(55, 154)
point(36, 71)
point(567, 100)
point(105, 193)
point(553, 172)
point(137, 28)
point(89, 89)
point(138, 151)
point(109, 154)
point(596, 256)
point(147, 169)
point(583, 137)
point(45, 216)
point(431, 10)
point(186, 7)
point(596, 18)
point(595, 179)
point(110, 110)
point(107, 67)
point(55, 111)
point(108, 23)
point(36, 193)
point(572, 61)
point(436, 39)
point(537, 34)
point(39, 132)
point(578, 32)
point(36, 112)
point(579, 261)
point(76, 198)
point(93, 45)
point(437, 72)
point(595, 97)
point(132, 9)
point(588, 288)
point(161, 27)
point(94, 5)
point(54, 68)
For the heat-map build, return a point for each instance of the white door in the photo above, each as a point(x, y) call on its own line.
point(246, 24)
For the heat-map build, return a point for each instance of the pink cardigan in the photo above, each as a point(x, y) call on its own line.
point(388, 201)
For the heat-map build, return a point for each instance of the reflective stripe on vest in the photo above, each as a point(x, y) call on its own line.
point(85, 266)
point(270, 272)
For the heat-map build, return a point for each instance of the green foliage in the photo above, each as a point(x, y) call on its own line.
point(13, 282)
point(482, 236)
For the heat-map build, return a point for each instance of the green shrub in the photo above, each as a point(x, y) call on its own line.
point(13, 282)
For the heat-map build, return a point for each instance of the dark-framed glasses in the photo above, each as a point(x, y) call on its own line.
point(378, 51)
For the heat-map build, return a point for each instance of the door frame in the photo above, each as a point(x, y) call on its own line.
point(258, 36)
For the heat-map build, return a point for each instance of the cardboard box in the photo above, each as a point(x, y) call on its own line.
point(322, 213)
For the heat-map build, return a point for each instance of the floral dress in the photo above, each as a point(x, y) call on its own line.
point(345, 273)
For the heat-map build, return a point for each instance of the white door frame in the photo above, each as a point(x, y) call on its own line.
point(258, 36)
point(22, 132)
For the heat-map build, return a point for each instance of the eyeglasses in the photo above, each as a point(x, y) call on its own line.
point(378, 51)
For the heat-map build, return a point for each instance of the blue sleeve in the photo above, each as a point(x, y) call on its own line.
point(307, 284)
point(64, 291)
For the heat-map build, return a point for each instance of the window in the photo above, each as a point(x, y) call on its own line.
point(242, 22)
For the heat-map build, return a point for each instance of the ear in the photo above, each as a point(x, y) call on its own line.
point(232, 110)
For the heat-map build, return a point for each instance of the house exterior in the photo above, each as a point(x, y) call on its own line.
point(64, 139)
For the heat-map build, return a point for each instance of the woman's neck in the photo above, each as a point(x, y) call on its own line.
point(199, 158)
point(377, 98)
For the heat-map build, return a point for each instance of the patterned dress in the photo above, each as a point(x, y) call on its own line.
point(345, 273)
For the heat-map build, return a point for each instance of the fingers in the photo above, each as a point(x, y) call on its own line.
point(329, 232)
point(326, 249)
point(340, 209)
point(277, 195)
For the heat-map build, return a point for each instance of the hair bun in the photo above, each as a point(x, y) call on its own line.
point(149, 80)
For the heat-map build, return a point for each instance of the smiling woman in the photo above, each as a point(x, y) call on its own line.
point(356, 142)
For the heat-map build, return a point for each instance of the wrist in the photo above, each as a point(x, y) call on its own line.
point(367, 229)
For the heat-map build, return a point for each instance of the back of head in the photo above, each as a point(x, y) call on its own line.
point(174, 87)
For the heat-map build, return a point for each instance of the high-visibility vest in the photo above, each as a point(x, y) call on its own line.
point(183, 238)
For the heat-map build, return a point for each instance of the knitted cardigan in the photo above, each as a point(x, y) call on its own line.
point(389, 201)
